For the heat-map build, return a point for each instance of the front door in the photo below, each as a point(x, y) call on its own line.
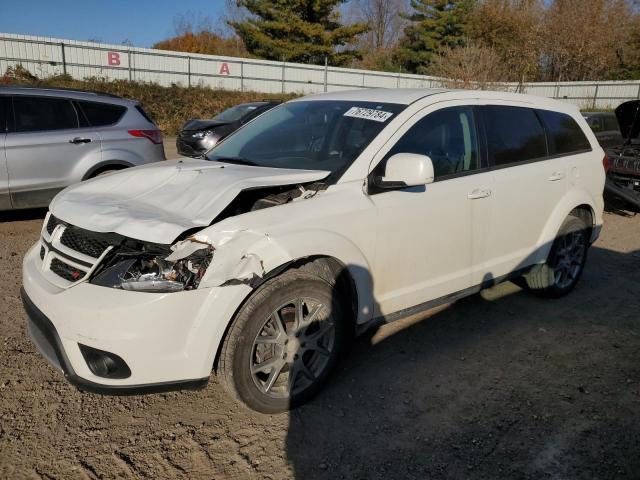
point(425, 235)
point(5, 199)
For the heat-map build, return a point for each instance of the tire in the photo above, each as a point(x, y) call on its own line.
point(562, 270)
point(311, 351)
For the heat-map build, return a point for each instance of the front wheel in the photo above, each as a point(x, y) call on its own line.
point(565, 263)
point(284, 342)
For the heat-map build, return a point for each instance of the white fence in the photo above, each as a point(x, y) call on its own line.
point(46, 56)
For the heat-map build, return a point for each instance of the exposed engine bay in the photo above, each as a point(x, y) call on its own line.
point(147, 267)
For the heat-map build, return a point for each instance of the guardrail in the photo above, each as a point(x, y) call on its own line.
point(46, 56)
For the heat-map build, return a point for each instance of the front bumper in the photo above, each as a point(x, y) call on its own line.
point(168, 340)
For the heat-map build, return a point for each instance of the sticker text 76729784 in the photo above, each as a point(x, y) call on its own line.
point(368, 114)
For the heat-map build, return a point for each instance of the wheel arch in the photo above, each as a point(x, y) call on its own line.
point(106, 165)
point(578, 201)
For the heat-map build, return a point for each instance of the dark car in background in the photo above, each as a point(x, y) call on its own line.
point(605, 126)
point(623, 165)
point(198, 136)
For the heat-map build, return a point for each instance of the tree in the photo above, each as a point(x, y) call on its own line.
point(298, 31)
point(513, 30)
point(195, 34)
point(471, 66)
point(434, 26)
point(585, 39)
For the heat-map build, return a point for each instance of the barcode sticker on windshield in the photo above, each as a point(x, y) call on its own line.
point(368, 114)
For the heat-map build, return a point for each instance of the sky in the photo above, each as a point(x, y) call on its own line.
point(143, 22)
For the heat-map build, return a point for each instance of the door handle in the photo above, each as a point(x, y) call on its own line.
point(555, 176)
point(78, 140)
point(478, 193)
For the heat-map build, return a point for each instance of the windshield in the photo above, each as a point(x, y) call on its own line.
point(234, 114)
point(311, 135)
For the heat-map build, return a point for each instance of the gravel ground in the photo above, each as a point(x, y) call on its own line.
point(499, 385)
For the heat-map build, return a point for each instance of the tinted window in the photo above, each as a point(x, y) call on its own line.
point(611, 123)
point(595, 123)
point(564, 134)
point(3, 114)
point(447, 136)
point(33, 114)
point(101, 114)
point(514, 134)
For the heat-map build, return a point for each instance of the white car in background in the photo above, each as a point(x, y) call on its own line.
point(319, 218)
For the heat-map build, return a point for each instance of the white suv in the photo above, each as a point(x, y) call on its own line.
point(317, 219)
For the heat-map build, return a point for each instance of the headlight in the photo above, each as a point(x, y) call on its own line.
point(151, 272)
point(206, 133)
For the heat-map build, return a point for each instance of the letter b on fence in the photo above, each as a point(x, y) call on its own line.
point(113, 58)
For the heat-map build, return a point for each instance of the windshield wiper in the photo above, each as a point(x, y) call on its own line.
point(236, 160)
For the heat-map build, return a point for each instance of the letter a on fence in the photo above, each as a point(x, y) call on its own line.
point(224, 69)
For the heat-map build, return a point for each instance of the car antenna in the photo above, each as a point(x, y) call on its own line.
point(633, 124)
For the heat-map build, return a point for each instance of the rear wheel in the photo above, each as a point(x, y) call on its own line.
point(565, 263)
point(284, 343)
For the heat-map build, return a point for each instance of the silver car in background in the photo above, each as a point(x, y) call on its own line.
point(52, 138)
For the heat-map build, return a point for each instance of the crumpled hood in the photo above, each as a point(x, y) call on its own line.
point(628, 115)
point(159, 201)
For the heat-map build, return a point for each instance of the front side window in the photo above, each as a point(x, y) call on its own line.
point(611, 123)
point(312, 135)
point(35, 114)
point(514, 134)
point(564, 134)
point(447, 136)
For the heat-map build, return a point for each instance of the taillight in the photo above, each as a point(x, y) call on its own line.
point(606, 163)
point(154, 135)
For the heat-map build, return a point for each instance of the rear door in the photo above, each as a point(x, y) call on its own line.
point(527, 186)
point(5, 199)
point(43, 152)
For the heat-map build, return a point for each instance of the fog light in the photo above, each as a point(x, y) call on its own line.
point(104, 364)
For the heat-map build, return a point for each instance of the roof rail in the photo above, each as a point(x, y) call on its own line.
point(59, 89)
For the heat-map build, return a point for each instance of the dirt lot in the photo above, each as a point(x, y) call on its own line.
point(500, 385)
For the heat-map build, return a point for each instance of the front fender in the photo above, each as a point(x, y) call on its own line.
point(245, 256)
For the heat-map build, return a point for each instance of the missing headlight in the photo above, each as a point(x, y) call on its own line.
point(150, 272)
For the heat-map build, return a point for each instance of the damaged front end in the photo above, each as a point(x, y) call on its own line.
point(151, 268)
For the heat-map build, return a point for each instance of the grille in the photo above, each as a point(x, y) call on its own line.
point(84, 241)
point(51, 224)
point(65, 271)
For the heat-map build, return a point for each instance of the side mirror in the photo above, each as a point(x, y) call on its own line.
point(407, 170)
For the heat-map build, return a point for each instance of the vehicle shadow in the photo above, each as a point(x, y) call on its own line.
point(23, 215)
point(502, 384)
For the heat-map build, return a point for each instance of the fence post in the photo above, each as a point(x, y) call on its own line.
point(363, 79)
point(129, 63)
point(638, 90)
point(326, 66)
point(595, 96)
point(189, 72)
point(64, 59)
point(283, 67)
point(557, 91)
point(241, 76)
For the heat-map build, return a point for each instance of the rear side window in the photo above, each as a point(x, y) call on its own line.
point(447, 136)
point(564, 134)
point(102, 114)
point(35, 114)
point(611, 123)
point(514, 134)
point(3, 114)
point(144, 114)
